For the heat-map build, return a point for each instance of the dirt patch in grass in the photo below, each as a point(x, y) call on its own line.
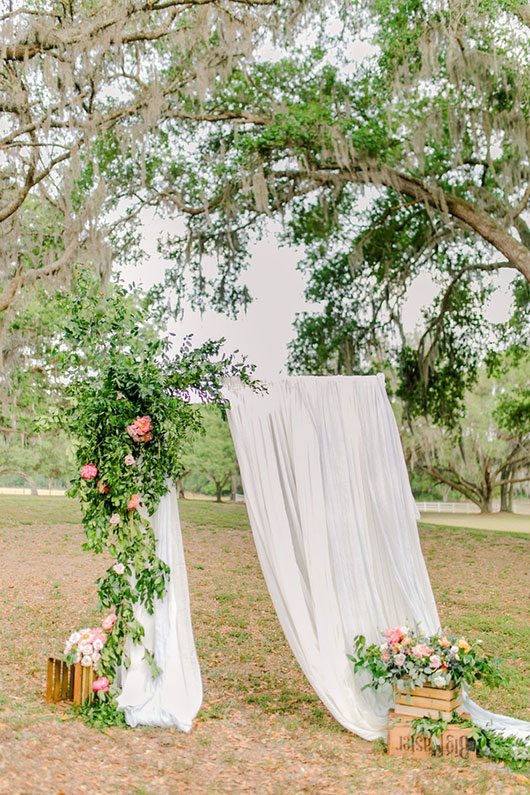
point(261, 728)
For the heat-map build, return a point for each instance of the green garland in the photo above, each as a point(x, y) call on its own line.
point(129, 410)
point(512, 751)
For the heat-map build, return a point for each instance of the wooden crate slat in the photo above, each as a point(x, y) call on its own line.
point(429, 703)
point(57, 680)
point(447, 694)
point(423, 712)
point(49, 679)
point(77, 695)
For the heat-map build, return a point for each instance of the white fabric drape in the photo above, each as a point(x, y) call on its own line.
point(334, 522)
point(174, 697)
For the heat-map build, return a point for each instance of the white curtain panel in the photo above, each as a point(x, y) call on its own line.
point(334, 523)
point(174, 697)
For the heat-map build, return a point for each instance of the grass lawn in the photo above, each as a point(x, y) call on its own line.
point(261, 728)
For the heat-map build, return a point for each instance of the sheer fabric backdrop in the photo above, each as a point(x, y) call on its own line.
point(334, 522)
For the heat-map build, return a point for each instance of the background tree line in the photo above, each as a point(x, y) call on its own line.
point(390, 140)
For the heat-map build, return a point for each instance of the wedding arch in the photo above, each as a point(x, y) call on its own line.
point(329, 501)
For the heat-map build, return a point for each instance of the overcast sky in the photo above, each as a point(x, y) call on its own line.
point(277, 287)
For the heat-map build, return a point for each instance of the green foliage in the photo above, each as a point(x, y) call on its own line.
point(117, 370)
point(211, 455)
point(101, 713)
point(512, 751)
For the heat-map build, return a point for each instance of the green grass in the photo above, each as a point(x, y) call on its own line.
point(260, 721)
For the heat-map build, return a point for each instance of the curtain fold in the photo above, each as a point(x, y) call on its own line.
point(334, 523)
point(174, 697)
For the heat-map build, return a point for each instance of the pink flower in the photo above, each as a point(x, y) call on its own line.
point(394, 635)
point(421, 650)
point(140, 429)
point(435, 661)
point(101, 685)
point(399, 659)
point(385, 655)
point(115, 518)
point(89, 472)
point(109, 621)
point(134, 502)
point(119, 568)
point(444, 642)
point(129, 460)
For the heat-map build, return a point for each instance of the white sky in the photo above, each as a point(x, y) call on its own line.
point(277, 287)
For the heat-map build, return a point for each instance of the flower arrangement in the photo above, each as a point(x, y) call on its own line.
point(130, 412)
point(408, 658)
point(85, 645)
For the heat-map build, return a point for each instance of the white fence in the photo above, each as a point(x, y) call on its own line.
point(447, 507)
point(24, 492)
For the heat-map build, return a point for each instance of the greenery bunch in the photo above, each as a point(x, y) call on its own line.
point(120, 373)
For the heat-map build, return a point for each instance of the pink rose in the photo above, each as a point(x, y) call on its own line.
point(134, 502)
point(421, 650)
point(140, 429)
point(89, 472)
point(394, 635)
point(435, 661)
point(109, 621)
point(129, 460)
point(399, 659)
point(101, 685)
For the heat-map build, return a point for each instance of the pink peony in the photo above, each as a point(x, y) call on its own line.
point(435, 661)
point(101, 685)
point(109, 621)
point(134, 502)
point(89, 472)
point(421, 650)
point(129, 460)
point(394, 635)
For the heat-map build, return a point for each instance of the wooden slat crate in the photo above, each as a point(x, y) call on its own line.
point(454, 742)
point(68, 682)
point(428, 702)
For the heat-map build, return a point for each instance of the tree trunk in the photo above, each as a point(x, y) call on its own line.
point(446, 493)
point(233, 487)
point(506, 491)
point(180, 489)
point(218, 491)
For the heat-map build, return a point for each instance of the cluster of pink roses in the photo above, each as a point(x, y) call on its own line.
point(85, 645)
point(140, 430)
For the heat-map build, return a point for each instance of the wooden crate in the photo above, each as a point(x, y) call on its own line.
point(68, 682)
point(429, 702)
point(454, 742)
